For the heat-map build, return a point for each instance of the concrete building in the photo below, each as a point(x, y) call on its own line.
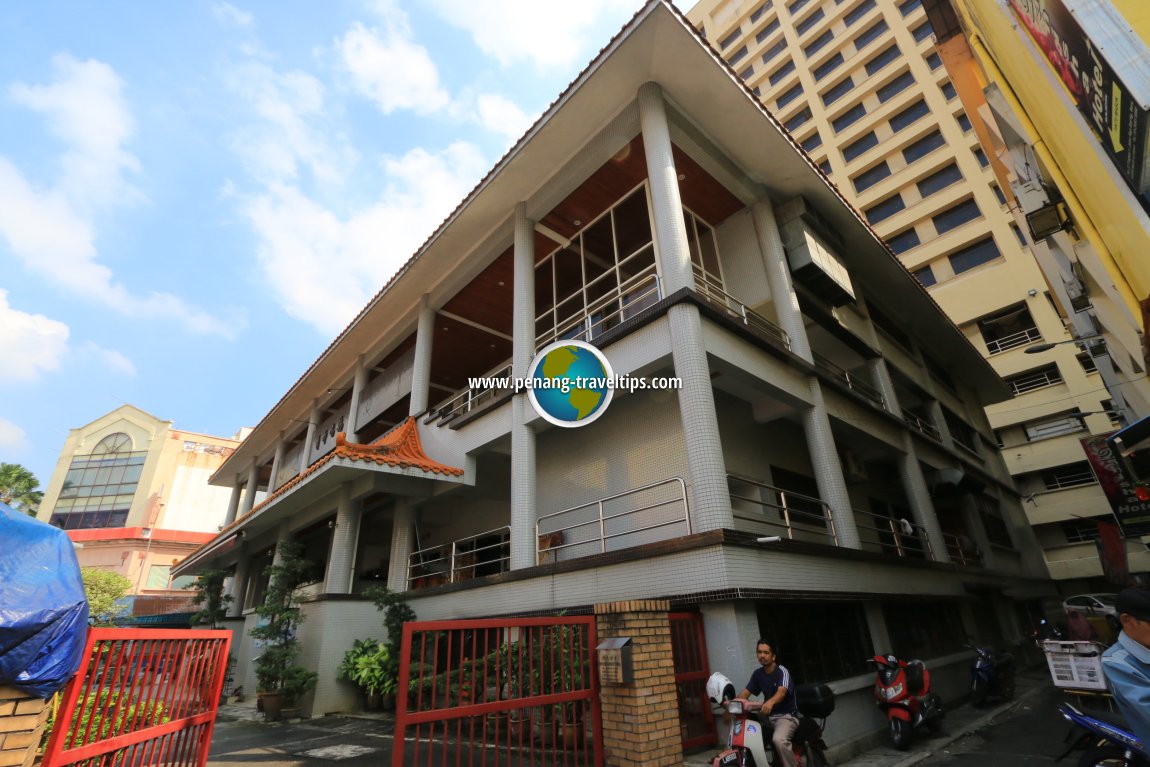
point(825, 474)
point(133, 494)
point(862, 86)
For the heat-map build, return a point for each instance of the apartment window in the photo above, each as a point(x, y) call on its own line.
point(909, 116)
point(757, 91)
point(858, 12)
point(779, 74)
point(809, 22)
point(774, 50)
point(798, 120)
point(838, 91)
point(923, 629)
point(925, 276)
point(746, 73)
point(964, 123)
point(878, 62)
point(859, 145)
point(948, 90)
point(730, 39)
point(954, 217)
point(998, 194)
point(812, 142)
point(1031, 380)
point(1018, 235)
point(961, 432)
point(1080, 530)
point(895, 87)
point(825, 167)
point(909, 7)
point(974, 255)
point(820, 42)
point(848, 117)
point(1067, 475)
point(1008, 329)
point(758, 12)
point(922, 31)
point(796, 5)
point(939, 180)
point(903, 241)
point(869, 178)
point(1087, 363)
point(997, 531)
point(843, 625)
point(767, 31)
point(789, 95)
point(738, 56)
point(885, 209)
point(981, 157)
point(923, 147)
point(99, 487)
point(934, 61)
point(869, 36)
point(828, 66)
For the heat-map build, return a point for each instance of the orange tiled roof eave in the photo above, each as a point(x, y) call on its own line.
point(400, 447)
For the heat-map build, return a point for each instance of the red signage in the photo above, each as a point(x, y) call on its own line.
point(1131, 513)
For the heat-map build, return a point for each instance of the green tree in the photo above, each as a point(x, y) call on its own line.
point(103, 588)
point(210, 598)
point(18, 488)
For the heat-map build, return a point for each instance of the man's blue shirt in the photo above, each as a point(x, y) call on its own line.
point(1127, 669)
point(767, 685)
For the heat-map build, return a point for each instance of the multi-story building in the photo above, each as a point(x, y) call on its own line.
point(825, 474)
point(861, 86)
point(133, 494)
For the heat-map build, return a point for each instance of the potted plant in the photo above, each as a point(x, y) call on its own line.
point(281, 680)
point(396, 611)
point(211, 599)
point(367, 665)
point(567, 671)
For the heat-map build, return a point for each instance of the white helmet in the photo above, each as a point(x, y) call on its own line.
point(720, 689)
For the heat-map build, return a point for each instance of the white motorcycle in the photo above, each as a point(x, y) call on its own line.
point(748, 736)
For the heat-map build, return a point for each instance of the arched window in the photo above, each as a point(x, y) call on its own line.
point(113, 443)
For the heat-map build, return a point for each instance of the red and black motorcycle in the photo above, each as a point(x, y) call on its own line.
point(902, 691)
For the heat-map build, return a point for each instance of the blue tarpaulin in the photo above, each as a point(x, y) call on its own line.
point(43, 609)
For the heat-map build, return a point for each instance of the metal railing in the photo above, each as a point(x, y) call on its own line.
point(1056, 479)
point(635, 294)
point(960, 553)
point(786, 511)
point(458, 560)
point(894, 537)
point(853, 382)
point(469, 399)
point(1028, 336)
point(922, 425)
point(736, 309)
point(1031, 381)
point(590, 528)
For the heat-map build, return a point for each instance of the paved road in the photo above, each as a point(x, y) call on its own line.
point(311, 743)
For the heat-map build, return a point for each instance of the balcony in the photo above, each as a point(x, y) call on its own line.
point(1021, 338)
point(487, 553)
point(620, 304)
point(921, 425)
point(708, 289)
point(962, 553)
point(852, 381)
point(471, 399)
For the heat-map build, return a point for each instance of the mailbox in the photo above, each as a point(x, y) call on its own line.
point(615, 661)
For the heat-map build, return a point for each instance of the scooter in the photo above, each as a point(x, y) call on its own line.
point(991, 675)
point(902, 691)
point(748, 737)
point(1106, 738)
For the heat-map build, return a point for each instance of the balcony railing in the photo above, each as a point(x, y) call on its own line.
point(782, 512)
point(853, 382)
point(1028, 336)
point(893, 537)
point(964, 553)
point(457, 561)
point(921, 425)
point(1037, 380)
point(737, 310)
point(635, 294)
point(655, 512)
point(467, 400)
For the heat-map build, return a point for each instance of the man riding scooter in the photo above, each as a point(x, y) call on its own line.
point(773, 682)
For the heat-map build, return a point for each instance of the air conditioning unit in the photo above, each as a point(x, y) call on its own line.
point(853, 468)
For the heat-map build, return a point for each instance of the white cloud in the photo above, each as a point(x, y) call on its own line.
point(231, 16)
point(109, 358)
point(500, 114)
point(51, 228)
point(546, 33)
point(12, 437)
point(30, 344)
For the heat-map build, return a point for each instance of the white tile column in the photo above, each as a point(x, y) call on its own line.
point(421, 365)
point(309, 440)
point(252, 486)
point(401, 544)
point(277, 461)
point(358, 382)
point(345, 536)
point(523, 459)
point(233, 502)
point(239, 581)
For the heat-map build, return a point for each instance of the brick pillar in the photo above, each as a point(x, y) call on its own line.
point(640, 718)
point(22, 721)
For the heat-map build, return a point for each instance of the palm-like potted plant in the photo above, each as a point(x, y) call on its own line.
point(367, 665)
point(282, 681)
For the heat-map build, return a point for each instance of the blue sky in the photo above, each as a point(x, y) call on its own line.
point(196, 197)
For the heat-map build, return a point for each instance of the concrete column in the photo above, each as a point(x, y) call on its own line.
point(345, 537)
point(277, 461)
point(880, 375)
point(975, 529)
point(876, 624)
point(233, 502)
point(240, 581)
point(783, 295)
point(421, 365)
point(939, 422)
point(357, 385)
point(252, 486)
point(732, 630)
point(402, 540)
point(640, 722)
point(523, 458)
point(917, 492)
point(828, 469)
point(670, 232)
point(282, 536)
point(309, 440)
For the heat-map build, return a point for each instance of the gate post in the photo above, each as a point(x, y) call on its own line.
point(22, 719)
point(640, 717)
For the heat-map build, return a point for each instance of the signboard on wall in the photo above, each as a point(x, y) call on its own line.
point(1084, 42)
point(1131, 513)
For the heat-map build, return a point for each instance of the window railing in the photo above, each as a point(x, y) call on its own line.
point(1028, 336)
point(921, 425)
point(853, 382)
point(893, 537)
point(962, 552)
point(1037, 380)
point(466, 400)
point(793, 515)
point(654, 512)
point(1066, 479)
point(707, 288)
point(637, 293)
point(457, 561)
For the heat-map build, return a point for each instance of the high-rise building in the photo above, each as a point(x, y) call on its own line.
point(861, 86)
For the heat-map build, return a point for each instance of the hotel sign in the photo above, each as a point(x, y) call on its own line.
point(1130, 511)
point(1083, 42)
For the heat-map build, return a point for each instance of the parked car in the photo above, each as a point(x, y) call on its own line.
point(1093, 605)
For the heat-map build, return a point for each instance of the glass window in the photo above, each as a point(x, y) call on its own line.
point(909, 6)
point(774, 50)
point(923, 629)
point(934, 61)
point(856, 13)
point(812, 142)
point(1080, 531)
point(767, 31)
point(790, 626)
point(746, 73)
point(859, 145)
point(99, 487)
point(798, 120)
point(939, 180)
point(885, 209)
point(998, 193)
point(809, 22)
point(869, 178)
point(818, 43)
point(838, 91)
point(923, 31)
point(869, 36)
point(956, 216)
point(881, 60)
point(779, 74)
point(981, 157)
point(925, 276)
point(903, 241)
point(974, 255)
point(730, 39)
point(825, 167)
point(789, 95)
point(909, 116)
point(948, 90)
point(738, 56)
point(758, 13)
point(964, 123)
point(1018, 234)
point(895, 87)
point(158, 577)
point(796, 5)
point(923, 147)
point(849, 117)
point(828, 66)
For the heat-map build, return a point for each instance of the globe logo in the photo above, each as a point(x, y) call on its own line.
point(569, 383)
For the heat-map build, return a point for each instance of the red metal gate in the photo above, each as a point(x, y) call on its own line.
point(519, 691)
point(141, 697)
point(689, 648)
